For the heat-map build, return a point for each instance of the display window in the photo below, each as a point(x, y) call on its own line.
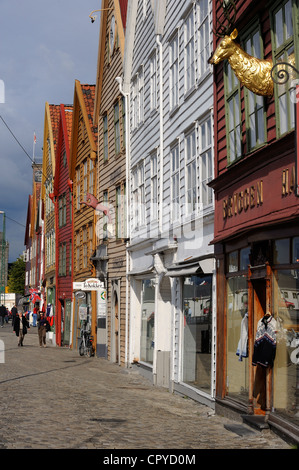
point(197, 332)
point(147, 321)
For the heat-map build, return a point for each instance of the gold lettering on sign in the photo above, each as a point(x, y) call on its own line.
point(288, 182)
point(243, 200)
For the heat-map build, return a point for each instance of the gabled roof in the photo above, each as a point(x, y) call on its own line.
point(64, 136)
point(120, 13)
point(84, 99)
point(51, 123)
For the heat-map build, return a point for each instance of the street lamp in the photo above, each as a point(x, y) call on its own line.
point(3, 261)
point(93, 18)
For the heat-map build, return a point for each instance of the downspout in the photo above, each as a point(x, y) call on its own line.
point(161, 130)
point(128, 180)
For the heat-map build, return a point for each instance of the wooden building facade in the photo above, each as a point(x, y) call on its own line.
point(110, 260)
point(63, 198)
point(256, 233)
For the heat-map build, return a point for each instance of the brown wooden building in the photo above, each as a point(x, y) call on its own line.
point(83, 177)
point(110, 260)
point(257, 220)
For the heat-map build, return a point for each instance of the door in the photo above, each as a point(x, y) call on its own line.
point(116, 328)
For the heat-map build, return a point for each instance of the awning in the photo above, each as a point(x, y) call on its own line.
point(141, 271)
point(204, 266)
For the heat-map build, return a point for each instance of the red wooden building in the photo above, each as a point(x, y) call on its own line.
point(256, 233)
point(63, 228)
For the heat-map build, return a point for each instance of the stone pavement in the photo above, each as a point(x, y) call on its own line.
point(51, 398)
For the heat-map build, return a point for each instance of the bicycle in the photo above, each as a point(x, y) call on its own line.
point(86, 346)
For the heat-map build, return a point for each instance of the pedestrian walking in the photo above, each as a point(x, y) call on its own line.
point(35, 315)
point(42, 327)
point(20, 327)
point(3, 314)
point(14, 313)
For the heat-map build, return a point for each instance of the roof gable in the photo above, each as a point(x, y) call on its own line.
point(64, 141)
point(51, 123)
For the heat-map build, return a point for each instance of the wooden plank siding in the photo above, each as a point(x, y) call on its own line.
point(63, 218)
point(111, 175)
point(82, 157)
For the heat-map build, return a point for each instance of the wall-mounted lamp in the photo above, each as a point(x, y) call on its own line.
point(93, 18)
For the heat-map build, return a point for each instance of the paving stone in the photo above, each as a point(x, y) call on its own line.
point(74, 402)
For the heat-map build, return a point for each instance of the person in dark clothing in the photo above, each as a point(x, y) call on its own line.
point(20, 327)
point(3, 314)
point(42, 324)
point(14, 313)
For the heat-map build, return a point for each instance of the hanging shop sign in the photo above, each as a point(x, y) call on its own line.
point(102, 303)
point(88, 285)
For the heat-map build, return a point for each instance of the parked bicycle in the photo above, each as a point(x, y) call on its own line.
point(85, 345)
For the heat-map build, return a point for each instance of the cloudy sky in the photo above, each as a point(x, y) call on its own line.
point(44, 47)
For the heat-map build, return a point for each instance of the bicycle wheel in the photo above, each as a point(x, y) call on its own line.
point(88, 351)
point(81, 349)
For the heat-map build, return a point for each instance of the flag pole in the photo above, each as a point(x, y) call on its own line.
point(34, 142)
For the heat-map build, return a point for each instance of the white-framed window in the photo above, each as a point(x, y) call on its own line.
point(154, 187)
point(189, 45)
point(206, 161)
point(203, 52)
point(153, 81)
point(78, 188)
point(138, 195)
point(191, 171)
point(174, 72)
point(175, 182)
point(138, 98)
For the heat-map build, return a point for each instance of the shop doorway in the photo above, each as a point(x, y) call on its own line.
point(116, 328)
point(259, 374)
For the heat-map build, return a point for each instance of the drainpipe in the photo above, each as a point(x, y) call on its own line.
point(126, 96)
point(161, 129)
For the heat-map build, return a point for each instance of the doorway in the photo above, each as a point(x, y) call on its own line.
point(259, 374)
point(116, 329)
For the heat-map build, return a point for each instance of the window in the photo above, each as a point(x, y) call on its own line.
point(203, 37)
point(62, 260)
point(190, 148)
point(153, 81)
point(78, 188)
point(154, 188)
point(85, 177)
point(175, 182)
point(62, 210)
point(121, 213)
point(118, 212)
point(116, 128)
point(138, 98)
point(138, 196)
point(233, 115)
point(174, 72)
point(85, 246)
point(189, 52)
point(197, 331)
point(78, 251)
point(206, 160)
point(147, 336)
point(105, 137)
point(255, 110)
point(105, 217)
point(283, 51)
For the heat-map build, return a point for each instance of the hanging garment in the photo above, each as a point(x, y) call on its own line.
point(265, 342)
point(242, 350)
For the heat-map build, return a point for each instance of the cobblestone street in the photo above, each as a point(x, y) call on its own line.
point(54, 399)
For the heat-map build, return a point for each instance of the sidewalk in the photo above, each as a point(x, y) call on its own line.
point(54, 399)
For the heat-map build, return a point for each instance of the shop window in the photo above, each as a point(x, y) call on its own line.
point(244, 258)
point(147, 321)
point(286, 313)
point(233, 262)
point(281, 251)
point(197, 334)
point(295, 250)
point(237, 383)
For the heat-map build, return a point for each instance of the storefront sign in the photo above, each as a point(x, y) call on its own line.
point(88, 285)
point(102, 303)
point(249, 197)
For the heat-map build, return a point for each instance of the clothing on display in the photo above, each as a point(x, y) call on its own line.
point(242, 350)
point(265, 342)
